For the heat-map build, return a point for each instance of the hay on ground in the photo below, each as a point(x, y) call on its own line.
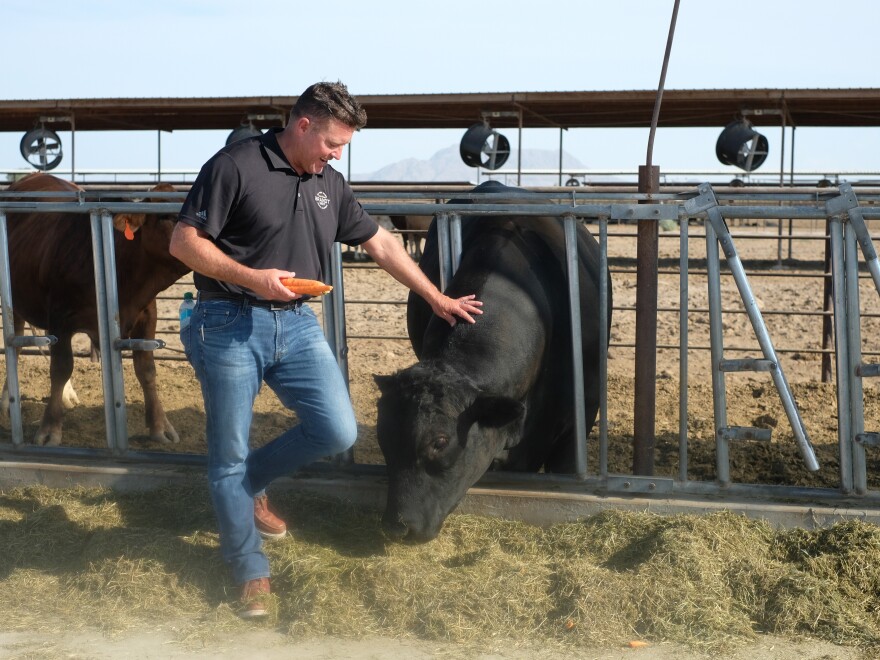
point(80, 557)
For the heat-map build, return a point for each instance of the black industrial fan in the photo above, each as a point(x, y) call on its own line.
point(483, 147)
point(41, 148)
point(742, 146)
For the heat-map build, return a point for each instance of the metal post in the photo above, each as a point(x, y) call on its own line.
point(519, 151)
point(12, 385)
point(577, 348)
point(646, 333)
point(854, 341)
point(683, 349)
point(443, 245)
point(72, 148)
point(560, 155)
point(604, 311)
point(841, 351)
point(454, 242)
point(716, 347)
point(333, 308)
point(108, 330)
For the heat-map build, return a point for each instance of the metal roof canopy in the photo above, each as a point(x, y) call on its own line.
point(681, 108)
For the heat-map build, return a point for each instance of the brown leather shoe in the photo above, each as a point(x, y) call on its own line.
point(268, 524)
point(255, 598)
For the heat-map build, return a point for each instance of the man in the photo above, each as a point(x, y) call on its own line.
point(263, 209)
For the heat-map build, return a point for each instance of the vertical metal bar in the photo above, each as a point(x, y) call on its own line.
point(12, 384)
point(644, 408)
point(841, 351)
point(716, 348)
point(110, 305)
point(108, 332)
point(577, 347)
point(73, 147)
point(443, 245)
point(454, 241)
point(103, 331)
point(604, 311)
point(560, 155)
point(683, 350)
point(333, 308)
point(519, 150)
point(854, 342)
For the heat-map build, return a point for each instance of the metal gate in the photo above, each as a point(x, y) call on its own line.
point(844, 210)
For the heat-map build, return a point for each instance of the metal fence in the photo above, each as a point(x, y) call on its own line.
point(843, 210)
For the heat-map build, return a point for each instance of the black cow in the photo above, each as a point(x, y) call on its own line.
point(500, 391)
point(53, 287)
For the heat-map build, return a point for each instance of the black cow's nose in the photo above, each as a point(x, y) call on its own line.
point(394, 527)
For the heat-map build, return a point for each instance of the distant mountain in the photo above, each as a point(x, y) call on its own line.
point(447, 165)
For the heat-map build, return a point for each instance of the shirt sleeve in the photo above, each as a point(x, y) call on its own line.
point(213, 196)
point(355, 224)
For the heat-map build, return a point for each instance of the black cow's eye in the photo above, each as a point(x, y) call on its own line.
point(436, 446)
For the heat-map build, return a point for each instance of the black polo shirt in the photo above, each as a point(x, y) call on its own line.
point(263, 214)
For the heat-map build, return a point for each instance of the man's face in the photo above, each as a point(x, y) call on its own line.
point(321, 141)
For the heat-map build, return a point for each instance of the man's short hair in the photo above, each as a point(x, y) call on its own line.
point(324, 100)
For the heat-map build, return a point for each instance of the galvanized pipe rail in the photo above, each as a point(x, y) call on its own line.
point(568, 207)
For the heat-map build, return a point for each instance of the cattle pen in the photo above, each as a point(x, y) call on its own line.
point(723, 319)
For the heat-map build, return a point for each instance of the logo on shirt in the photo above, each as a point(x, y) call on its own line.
point(202, 215)
point(322, 200)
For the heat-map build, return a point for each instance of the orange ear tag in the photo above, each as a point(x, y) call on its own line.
point(129, 234)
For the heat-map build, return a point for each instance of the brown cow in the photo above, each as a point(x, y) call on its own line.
point(53, 287)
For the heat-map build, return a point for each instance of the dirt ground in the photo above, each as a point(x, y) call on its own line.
point(377, 343)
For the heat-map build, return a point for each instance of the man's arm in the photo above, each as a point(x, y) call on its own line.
point(387, 251)
point(195, 248)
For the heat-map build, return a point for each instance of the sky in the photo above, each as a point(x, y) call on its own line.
point(58, 49)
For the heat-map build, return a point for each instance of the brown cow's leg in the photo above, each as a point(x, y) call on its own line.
point(17, 328)
point(69, 398)
point(60, 370)
point(160, 428)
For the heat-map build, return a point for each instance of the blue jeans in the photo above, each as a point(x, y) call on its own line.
point(233, 348)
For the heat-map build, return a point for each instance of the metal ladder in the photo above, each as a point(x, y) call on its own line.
point(717, 233)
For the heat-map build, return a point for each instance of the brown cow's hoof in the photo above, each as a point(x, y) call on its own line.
point(47, 438)
point(167, 437)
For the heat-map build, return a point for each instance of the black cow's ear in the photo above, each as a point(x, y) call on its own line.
point(497, 411)
point(387, 384)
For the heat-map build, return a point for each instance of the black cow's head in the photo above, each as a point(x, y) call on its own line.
point(439, 433)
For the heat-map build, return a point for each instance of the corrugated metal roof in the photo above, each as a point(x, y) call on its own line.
point(632, 108)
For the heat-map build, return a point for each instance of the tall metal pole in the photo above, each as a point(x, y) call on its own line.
point(646, 297)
